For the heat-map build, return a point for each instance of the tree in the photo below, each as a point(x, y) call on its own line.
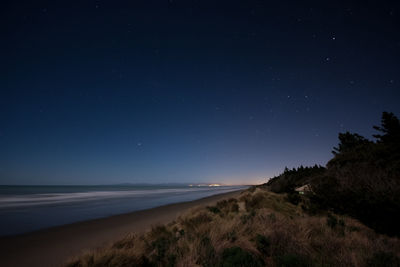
point(349, 141)
point(390, 129)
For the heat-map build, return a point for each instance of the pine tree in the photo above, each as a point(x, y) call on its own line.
point(390, 129)
point(349, 141)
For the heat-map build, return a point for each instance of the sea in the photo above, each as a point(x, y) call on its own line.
point(29, 208)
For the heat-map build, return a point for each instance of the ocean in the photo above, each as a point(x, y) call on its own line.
point(29, 208)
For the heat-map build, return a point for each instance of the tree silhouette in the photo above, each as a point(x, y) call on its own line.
point(349, 141)
point(390, 129)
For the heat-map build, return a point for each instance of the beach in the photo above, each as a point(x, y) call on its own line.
point(55, 246)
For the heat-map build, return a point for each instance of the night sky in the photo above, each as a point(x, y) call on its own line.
point(103, 92)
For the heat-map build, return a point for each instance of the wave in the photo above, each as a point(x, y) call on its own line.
point(15, 201)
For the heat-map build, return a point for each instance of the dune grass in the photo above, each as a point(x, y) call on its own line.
point(259, 228)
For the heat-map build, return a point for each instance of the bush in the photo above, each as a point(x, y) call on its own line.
point(171, 260)
point(206, 253)
point(125, 243)
point(214, 210)
point(162, 240)
point(161, 246)
point(246, 217)
point(252, 189)
point(331, 221)
point(263, 244)
point(237, 257)
point(195, 221)
point(255, 202)
point(231, 236)
point(294, 198)
point(292, 260)
point(383, 259)
point(234, 207)
point(226, 206)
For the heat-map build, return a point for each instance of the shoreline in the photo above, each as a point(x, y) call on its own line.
point(56, 245)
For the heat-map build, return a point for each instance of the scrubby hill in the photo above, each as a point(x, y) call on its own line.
point(361, 180)
point(258, 228)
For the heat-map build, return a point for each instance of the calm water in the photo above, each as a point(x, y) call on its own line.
point(28, 208)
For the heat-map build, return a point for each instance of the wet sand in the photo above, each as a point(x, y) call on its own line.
point(54, 246)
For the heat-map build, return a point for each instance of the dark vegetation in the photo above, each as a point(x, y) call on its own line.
point(361, 180)
point(290, 179)
point(263, 228)
point(236, 256)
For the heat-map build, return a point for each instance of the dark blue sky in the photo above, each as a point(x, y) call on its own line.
point(100, 92)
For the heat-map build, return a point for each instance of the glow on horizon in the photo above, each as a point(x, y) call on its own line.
point(245, 180)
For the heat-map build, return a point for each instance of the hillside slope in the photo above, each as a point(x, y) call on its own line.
point(258, 228)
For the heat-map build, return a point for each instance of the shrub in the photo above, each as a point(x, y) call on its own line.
point(171, 260)
point(255, 202)
point(237, 257)
point(226, 206)
point(214, 210)
point(387, 259)
point(162, 240)
point(222, 204)
point(231, 236)
point(235, 207)
point(246, 217)
point(161, 246)
point(272, 217)
point(143, 261)
point(195, 221)
point(252, 189)
point(292, 260)
point(125, 243)
point(206, 253)
point(263, 244)
point(331, 221)
point(294, 198)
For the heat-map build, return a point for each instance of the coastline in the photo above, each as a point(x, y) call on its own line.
point(54, 246)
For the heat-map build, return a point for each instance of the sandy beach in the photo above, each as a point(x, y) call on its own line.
point(54, 246)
